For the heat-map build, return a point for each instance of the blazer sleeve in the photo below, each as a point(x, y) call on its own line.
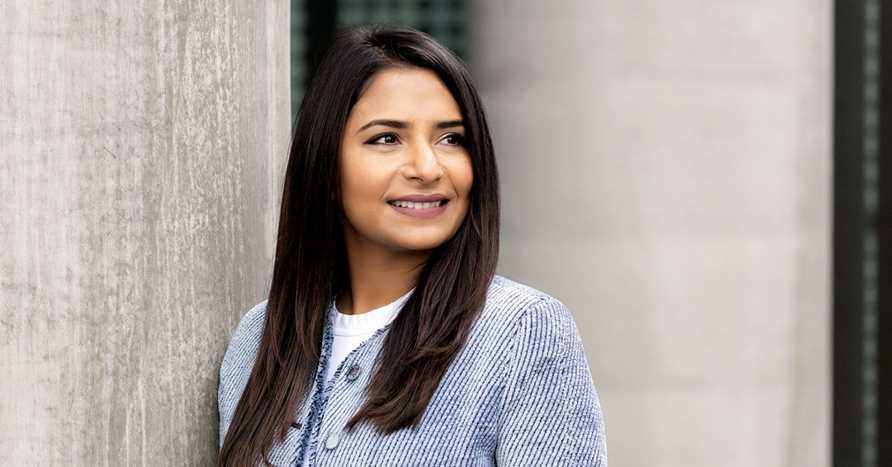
point(238, 361)
point(551, 413)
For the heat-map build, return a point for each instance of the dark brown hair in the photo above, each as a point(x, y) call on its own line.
point(310, 266)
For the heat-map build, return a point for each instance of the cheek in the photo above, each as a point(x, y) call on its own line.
point(463, 177)
point(360, 182)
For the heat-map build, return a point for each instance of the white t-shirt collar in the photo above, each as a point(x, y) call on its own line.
point(368, 322)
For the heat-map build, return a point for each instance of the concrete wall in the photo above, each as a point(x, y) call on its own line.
point(666, 173)
point(141, 149)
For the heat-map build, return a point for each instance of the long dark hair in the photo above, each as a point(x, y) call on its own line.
point(311, 269)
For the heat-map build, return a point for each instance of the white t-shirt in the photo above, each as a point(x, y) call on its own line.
point(348, 331)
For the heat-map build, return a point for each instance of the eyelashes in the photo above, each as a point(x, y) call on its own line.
point(458, 137)
point(460, 140)
point(378, 137)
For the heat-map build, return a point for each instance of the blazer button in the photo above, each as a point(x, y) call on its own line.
point(331, 441)
point(353, 372)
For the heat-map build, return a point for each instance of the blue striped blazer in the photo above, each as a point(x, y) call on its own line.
point(519, 393)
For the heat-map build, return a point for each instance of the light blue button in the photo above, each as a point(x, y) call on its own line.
point(353, 372)
point(331, 441)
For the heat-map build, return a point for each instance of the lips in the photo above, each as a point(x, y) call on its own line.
point(418, 204)
point(425, 210)
point(420, 198)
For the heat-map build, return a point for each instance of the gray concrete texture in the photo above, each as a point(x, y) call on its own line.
point(666, 173)
point(141, 150)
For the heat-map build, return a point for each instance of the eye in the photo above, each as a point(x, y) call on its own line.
point(383, 135)
point(458, 139)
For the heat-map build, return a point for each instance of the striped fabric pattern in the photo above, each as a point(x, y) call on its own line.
point(519, 393)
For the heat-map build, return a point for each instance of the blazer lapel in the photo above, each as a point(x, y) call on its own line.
point(282, 454)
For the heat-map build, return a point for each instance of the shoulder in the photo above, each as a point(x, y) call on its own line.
point(241, 351)
point(517, 315)
point(535, 322)
point(512, 301)
point(546, 385)
point(243, 343)
point(238, 362)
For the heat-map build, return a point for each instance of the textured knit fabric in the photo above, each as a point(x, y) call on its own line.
point(349, 331)
point(519, 393)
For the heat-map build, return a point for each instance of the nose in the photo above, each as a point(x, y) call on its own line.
point(424, 164)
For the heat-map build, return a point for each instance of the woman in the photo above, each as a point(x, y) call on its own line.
point(387, 338)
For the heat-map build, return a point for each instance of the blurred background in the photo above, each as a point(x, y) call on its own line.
point(706, 185)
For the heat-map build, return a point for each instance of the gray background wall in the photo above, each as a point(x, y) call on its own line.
point(666, 171)
point(140, 153)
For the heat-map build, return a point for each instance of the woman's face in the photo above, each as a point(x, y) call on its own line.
point(404, 137)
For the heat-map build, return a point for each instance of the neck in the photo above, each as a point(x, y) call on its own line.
point(378, 276)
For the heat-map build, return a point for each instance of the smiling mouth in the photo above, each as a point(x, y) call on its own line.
point(418, 205)
point(419, 210)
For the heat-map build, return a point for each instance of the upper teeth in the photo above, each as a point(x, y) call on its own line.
point(416, 205)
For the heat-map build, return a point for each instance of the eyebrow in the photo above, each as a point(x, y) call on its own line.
point(401, 124)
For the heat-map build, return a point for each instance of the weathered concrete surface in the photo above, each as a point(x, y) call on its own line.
point(141, 149)
point(666, 172)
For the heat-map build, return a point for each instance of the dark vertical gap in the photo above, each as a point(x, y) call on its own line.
point(322, 20)
point(884, 234)
point(296, 56)
point(848, 225)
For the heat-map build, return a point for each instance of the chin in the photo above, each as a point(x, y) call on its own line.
point(419, 245)
point(418, 242)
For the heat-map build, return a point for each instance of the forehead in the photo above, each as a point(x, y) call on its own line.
point(405, 94)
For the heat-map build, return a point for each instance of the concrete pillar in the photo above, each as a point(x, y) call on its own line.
point(141, 151)
point(666, 172)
